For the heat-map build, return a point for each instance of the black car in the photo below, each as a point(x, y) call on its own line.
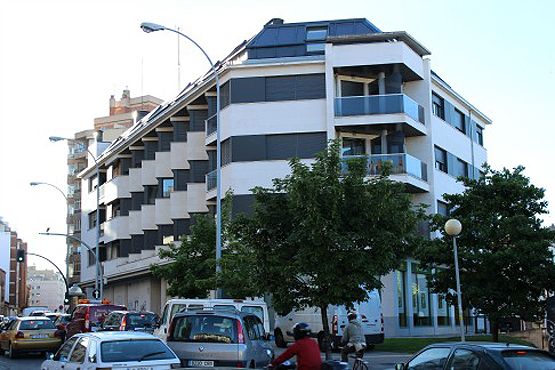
point(479, 356)
point(129, 320)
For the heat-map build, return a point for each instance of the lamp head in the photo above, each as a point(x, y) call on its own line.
point(151, 27)
point(35, 183)
point(453, 227)
point(56, 138)
point(75, 290)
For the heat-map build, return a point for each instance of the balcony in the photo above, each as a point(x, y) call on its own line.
point(211, 180)
point(211, 127)
point(403, 167)
point(380, 110)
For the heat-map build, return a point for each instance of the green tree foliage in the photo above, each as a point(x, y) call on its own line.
point(326, 233)
point(506, 266)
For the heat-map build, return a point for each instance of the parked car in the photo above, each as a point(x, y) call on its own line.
point(479, 356)
point(172, 306)
point(130, 321)
point(112, 350)
point(209, 338)
point(89, 317)
point(29, 334)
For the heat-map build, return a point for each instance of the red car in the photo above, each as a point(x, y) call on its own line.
point(89, 317)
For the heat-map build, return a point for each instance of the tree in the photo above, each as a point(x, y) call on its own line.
point(192, 270)
point(323, 235)
point(506, 266)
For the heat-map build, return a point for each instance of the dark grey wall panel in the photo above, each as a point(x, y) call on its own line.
point(181, 227)
point(150, 239)
point(248, 90)
point(136, 201)
point(150, 150)
point(180, 177)
point(197, 118)
point(243, 203)
point(164, 231)
point(125, 163)
point(137, 243)
point(248, 148)
point(124, 247)
point(164, 141)
point(137, 157)
point(124, 206)
point(198, 171)
point(179, 131)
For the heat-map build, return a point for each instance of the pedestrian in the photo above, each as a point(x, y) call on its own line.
point(353, 339)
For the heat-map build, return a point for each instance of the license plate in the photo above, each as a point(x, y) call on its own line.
point(196, 363)
point(139, 368)
point(39, 336)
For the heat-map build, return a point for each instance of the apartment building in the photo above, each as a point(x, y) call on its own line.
point(15, 280)
point(47, 288)
point(285, 93)
point(122, 114)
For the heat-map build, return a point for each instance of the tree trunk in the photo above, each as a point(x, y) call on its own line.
point(326, 340)
point(494, 330)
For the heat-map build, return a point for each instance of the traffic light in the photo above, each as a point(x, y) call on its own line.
point(67, 299)
point(20, 255)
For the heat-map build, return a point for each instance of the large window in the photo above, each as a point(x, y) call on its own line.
point(353, 146)
point(442, 208)
point(438, 106)
point(443, 310)
point(479, 135)
point(167, 187)
point(458, 121)
point(92, 219)
point(461, 168)
point(401, 296)
point(315, 37)
point(441, 159)
point(422, 313)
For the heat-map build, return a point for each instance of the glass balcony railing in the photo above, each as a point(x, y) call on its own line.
point(211, 125)
point(378, 104)
point(400, 163)
point(211, 180)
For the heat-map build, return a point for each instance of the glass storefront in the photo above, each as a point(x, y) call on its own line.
point(421, 302)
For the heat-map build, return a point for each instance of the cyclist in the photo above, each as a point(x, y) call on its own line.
point(305, 348)
point(353, 339)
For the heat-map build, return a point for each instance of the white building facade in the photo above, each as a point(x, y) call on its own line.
point(47, 288)
point(285, 93)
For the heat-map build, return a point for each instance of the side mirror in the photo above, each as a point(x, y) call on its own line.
point(400, 366)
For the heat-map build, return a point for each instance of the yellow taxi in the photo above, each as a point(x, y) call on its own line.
point(29, 334)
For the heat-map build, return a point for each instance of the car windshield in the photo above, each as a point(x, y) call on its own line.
point(36, 324)
point(141, 319)
point(135, 350)
point(529, 360)
point(205, 328)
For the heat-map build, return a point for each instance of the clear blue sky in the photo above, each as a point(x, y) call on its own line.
point(61, 60)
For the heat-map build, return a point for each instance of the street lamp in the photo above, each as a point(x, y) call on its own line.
point(75, 291)
point(153, 27)
point(453, 228)
point(97, 284)
point(99, 273)
point(36, 183)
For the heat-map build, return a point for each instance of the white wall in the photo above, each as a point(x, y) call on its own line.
point(5, 260)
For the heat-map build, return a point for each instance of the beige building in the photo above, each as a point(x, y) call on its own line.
point(47, 288)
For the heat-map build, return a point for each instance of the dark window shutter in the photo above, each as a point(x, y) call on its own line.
point(248, 90)
point(280, 88)
point(311, 86)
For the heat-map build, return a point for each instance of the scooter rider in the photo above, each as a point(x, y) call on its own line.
point(353, 339)
point(305, 348)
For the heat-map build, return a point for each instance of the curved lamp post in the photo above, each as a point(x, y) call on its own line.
point(453, 228)
point(97, 284)
point(36, 183)
point(153, 27)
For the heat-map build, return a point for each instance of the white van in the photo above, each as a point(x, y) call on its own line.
point(258, 307)
point(369, 313)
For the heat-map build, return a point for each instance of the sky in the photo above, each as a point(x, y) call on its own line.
point(61, 60)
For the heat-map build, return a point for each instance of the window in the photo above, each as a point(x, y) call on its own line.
point(441, 159)
point(401, 288)
point(461, 168)
point(420, 297)
point(438, 106)
point(167, 187)
point(116, 169)
point(458, 121)
point(464, 359)
point(479, 135)
point(116, 209)
point(315, 48)
point(63, 352)
point(442, 208)
point(79, 351)
point(92, 219)
point(134, 350)
point(432, 359)
point(92, 352)
point(443, 310)
point(257, 310)
point(204, 328)
point(93, 183)
point(316, 34)
point(352, 146)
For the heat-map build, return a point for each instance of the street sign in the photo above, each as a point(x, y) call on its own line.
point(96, 294)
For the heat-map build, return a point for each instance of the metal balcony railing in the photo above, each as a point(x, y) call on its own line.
point(211, 125)
point(378, 104)
point(400, 163)
point(211, 180)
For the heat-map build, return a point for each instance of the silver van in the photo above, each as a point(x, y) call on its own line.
point(209, 338)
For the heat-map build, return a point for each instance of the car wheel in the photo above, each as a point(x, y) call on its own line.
point(279, 339)
point(11, 352)
point(252, 365)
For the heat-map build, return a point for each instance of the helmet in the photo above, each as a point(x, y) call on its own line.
point(301, 330)
point(352, 315)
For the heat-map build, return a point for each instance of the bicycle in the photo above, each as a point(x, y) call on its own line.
point(359, 363)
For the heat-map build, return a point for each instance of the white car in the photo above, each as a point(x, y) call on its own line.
point(113, 350)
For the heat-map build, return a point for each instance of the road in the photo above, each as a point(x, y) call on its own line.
point(376, 361)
